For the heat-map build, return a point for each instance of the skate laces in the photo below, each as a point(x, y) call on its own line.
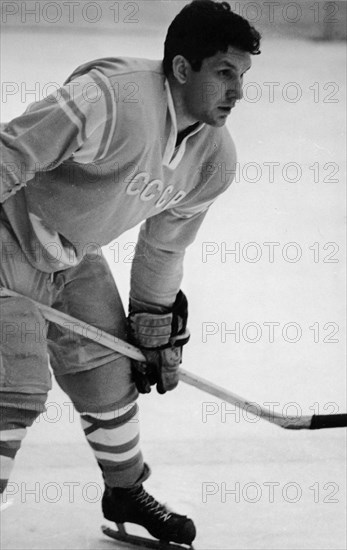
point(152, 505)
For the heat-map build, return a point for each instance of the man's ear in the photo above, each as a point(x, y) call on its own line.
point(180, 68)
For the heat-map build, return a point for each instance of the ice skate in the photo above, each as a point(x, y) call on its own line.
point(135, 505)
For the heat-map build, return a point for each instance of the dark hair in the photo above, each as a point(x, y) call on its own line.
point(204, 28)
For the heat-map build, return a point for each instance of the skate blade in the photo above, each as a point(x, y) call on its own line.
point(142, 542)
point(4, 504)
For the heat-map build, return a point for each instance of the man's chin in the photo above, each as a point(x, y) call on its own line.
point(219, 122)
point(216, 122)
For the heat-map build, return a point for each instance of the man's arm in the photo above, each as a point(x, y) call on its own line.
point(158, 309)
point(50, 132)
point(157, 268)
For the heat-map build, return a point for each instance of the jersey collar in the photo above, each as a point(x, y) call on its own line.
point(172, 154)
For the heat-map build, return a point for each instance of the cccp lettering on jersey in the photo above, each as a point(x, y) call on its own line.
point(147, 190)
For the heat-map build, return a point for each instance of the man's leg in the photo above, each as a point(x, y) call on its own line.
point(111, 428)
point(99, 384)
point(24, 374)
point(97, 380)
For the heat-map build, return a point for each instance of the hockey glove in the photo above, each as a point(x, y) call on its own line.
point(160, 338)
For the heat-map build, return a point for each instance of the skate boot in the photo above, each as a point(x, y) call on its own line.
point(135, 505)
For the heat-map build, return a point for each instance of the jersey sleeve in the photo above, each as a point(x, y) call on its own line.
point(157, 268)
point(73, 122)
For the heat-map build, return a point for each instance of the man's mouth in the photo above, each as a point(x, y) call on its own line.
point(225, 109)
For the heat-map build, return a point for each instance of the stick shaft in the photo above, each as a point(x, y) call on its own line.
point(80, 327)
point(118, 345)
point(251, 407)
point(226, 395)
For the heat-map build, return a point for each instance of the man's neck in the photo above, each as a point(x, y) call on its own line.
point(184, 121)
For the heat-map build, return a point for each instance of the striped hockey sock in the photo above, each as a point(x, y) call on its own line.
point(114, 438)
point(13, 428)
point(10, 442)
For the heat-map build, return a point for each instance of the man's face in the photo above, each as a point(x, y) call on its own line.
point(211, 93)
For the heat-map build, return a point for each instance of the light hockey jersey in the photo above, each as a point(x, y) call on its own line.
point(99, 156)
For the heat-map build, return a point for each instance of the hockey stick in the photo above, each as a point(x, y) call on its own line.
point(310, 422)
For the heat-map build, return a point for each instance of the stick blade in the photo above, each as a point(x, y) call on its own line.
point(320, 421)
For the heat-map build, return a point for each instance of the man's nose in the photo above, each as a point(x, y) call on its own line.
point(235, 91)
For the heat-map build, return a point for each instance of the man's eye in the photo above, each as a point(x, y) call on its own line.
point(224, 72)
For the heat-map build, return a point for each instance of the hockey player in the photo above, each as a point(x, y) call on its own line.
point(123, 141)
